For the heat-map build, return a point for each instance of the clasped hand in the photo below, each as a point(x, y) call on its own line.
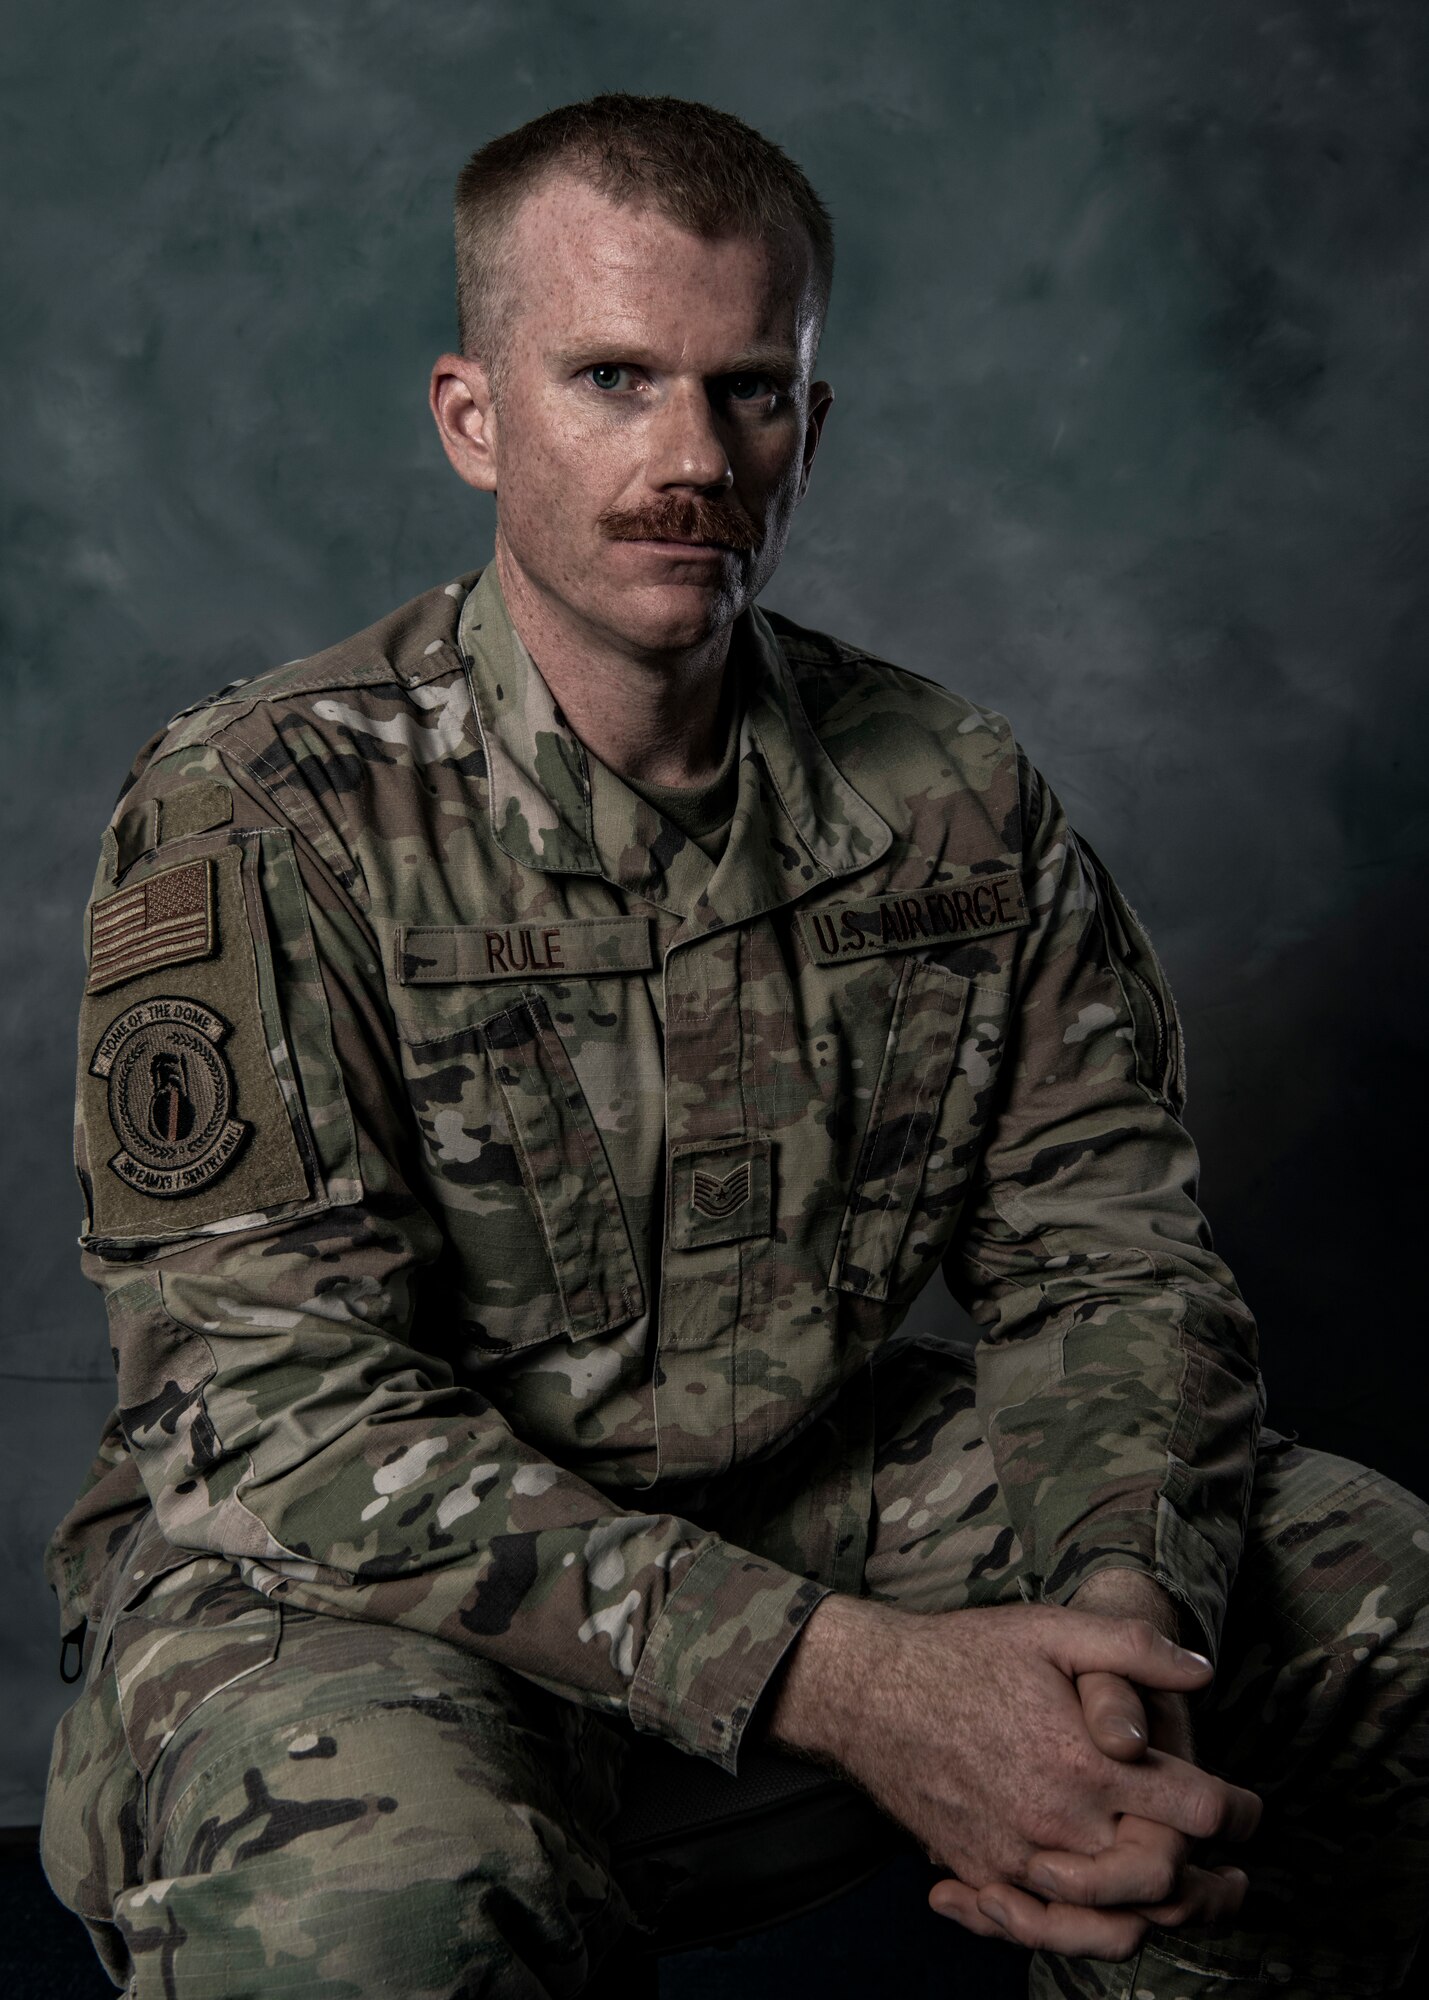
point(1101, 1905)
point(1041, 1755)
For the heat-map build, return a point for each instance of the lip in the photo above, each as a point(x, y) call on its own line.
point(688, 551)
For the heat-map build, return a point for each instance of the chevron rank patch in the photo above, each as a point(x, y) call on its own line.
point(719, 1196)
point(163, 920)
point(720, 1193)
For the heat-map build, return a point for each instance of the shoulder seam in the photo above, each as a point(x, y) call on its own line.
point(293, 810)
point(821, 650)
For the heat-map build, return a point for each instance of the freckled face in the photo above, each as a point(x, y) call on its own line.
point(654, 425)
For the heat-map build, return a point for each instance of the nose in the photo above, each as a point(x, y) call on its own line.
point(687, 449)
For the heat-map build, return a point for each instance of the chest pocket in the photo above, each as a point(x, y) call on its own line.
point(566, 1169)
point(924, 1131)
point(530, 1204)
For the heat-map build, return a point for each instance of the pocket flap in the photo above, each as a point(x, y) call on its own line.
point(199, 1629)
point(918, 1056)
point(566, 1169)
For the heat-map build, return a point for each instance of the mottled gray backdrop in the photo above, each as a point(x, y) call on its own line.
point(1129, 344)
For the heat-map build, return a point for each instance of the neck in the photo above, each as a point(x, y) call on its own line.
point(652, 716)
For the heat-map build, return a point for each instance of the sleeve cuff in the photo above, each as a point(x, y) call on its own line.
point(1174, 1554)
point(715, 1646)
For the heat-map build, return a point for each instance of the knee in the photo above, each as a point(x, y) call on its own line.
point(1343, 1552)
point(401, 1849)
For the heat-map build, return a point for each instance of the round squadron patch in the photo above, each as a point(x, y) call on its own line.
point(170, 1096)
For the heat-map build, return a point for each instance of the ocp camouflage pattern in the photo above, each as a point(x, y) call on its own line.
point(254, 1798)
point(583, 1176)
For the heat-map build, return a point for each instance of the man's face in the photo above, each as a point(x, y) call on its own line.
point(653, 422)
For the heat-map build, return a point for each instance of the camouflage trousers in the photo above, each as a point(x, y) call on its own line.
point(248, 1801)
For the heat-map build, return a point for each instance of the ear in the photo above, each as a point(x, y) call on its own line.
point(462, 409)
point(821, 401)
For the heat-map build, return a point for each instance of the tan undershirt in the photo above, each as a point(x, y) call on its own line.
point(702, 812)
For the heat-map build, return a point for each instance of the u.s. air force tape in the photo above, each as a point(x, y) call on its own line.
point(906, 918)
point(572, 947)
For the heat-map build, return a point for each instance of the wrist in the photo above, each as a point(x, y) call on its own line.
point(1130, 1593)
point(821, 1688)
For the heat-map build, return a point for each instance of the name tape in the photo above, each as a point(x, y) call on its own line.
point(907, 918)
point(575, 948)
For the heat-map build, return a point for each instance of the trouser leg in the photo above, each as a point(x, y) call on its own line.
point(366, 1811)
point(1319, 1701)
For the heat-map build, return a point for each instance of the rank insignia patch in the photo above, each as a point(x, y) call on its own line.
point(721, 1191)
point(164, 920)
point(170, 1096)
point(719, 1198)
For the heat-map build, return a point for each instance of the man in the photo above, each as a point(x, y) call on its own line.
point(532, 1056)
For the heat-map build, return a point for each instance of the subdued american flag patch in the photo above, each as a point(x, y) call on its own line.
point(162, 921)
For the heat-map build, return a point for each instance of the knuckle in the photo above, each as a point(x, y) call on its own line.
point(1080, 1759)
point(1206, 1813)
point(1141, 1634)
point(1134, 1929)
point(1162, 1882)
point(1029, 1930)
point(1117, 1941)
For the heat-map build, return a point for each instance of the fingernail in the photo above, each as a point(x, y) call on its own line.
point(1044, 1882)
point(997, 1913)
point(1187, 1658)
point(1121, 1725)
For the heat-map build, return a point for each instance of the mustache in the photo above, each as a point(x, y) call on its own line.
point(723, 523)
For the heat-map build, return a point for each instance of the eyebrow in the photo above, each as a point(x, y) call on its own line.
point(779, 361)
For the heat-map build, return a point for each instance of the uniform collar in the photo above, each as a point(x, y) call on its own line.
point(797, 822)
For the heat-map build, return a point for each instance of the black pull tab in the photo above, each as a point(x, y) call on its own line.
point(73, 1639)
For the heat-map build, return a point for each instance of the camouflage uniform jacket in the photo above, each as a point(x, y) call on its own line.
point(489, 1191)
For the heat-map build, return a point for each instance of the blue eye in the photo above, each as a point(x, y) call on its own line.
point(606, 374)
point(748, 388)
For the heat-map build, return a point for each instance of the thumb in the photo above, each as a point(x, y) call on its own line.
point(1085, 1642)
point(1115, 1718)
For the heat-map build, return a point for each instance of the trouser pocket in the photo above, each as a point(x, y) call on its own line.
point(198, 1630)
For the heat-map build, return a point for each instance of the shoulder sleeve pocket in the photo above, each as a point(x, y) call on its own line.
point(209, 1096)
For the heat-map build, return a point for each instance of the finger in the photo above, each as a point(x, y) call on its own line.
point(1084, 1642)
point(1208, 1896)
point(1168, 1723)
point(1144, 1864)
point(1113, 1713)
point(1179, 1795)
point(955, 1899)
point(1063, 1927)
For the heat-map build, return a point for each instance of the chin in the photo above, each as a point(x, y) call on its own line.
point(674, 617)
